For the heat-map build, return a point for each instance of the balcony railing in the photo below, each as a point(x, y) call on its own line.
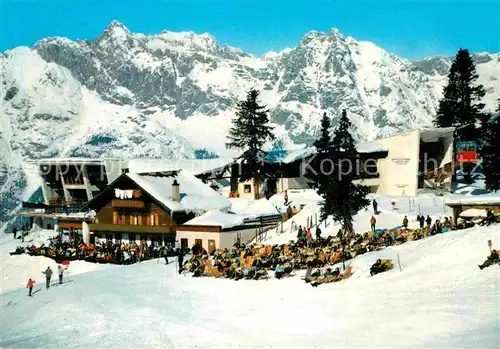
point(61, 206)
point(127, 203)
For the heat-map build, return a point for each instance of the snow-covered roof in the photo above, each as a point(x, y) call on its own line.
point(428, 134)
point(486, 199)
point(249, 208)
point(196, 196)
point(366, 147)
point(473, 212)
point(295, 155)
point(189, 165)
point(217, 219)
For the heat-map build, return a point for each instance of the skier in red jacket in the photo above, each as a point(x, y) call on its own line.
point(30, 285)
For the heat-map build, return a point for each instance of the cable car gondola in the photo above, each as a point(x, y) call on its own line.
point(467, 152)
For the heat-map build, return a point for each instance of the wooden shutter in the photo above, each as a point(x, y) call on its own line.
point(139, 220)
point(148, 220)
point(122, 219)
point(157, 219)
point(131, 220)
point(115, 218)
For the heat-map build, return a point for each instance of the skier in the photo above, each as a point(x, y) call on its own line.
point(180, 259)
point(60, 272)
point(375, 206)
point(14, 231)
point(286, 197)
point(373, 221)
point(48, 275)
point(30, 285)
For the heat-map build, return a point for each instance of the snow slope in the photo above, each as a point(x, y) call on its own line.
point(16, 270)
point(439, 299)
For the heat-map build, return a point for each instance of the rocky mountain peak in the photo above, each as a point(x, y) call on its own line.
point(117, 28)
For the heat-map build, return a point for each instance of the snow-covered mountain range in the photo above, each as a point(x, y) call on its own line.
point(125, 94)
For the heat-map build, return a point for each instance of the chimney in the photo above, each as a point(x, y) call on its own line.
point(176, 194)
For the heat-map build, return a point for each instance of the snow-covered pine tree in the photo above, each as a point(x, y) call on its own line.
point(460, 105)
point(343, 198)
point(490, 152)
point(250, 131)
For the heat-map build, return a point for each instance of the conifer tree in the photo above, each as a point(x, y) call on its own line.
point(324, 143)
point(490, 152)
point(250, 131)
point(343, 139)
point(342, 198)
point(460, 105)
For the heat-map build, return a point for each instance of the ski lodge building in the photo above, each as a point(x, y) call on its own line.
point(162, 201)
point(396, 165)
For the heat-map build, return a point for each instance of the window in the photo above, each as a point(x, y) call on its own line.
point(109, 237)
point(118, 237)
point(197, 242)
point(131, 237)
point(247, 188)
point(184, 244)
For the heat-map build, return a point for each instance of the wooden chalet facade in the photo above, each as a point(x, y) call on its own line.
point(134, 217)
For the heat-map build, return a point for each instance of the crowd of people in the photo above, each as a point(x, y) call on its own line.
point(256, 261)
point(104, 252)
point(312, 252)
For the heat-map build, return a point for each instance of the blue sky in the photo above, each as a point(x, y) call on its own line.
point(410, 29)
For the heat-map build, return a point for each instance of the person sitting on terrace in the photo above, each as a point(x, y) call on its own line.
point(489, 219)
point(380, 266)
point(493, 258)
